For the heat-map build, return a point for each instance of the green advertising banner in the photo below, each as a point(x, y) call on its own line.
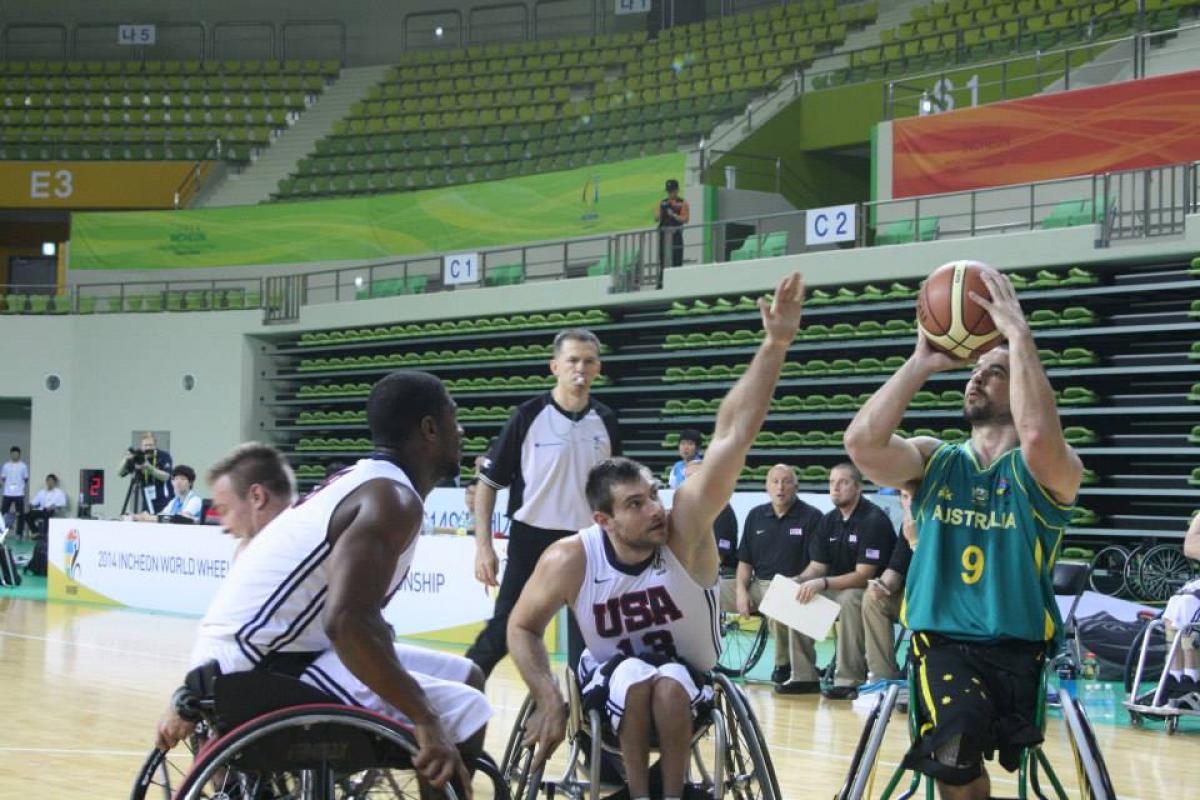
point(557, 205)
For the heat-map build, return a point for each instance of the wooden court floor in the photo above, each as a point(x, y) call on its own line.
point(81, 689)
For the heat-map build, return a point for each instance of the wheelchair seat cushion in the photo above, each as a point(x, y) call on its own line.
point(241, 696)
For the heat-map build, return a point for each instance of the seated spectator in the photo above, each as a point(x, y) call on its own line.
point(1182, 687)
point(46, 503)
point(690, 440)
point(881, 603)
point(186, 503)
point(855, 542)
point(776, 540)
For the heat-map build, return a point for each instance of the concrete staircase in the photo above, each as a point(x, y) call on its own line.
point(256, 182)
point(1179, 53)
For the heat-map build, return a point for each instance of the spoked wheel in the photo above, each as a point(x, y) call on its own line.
point(742, 643)
point(1108, 571)
point(163, 771)
point(327, 752)
point(1133, 573)
point(748, 773)
point(1094, 781)
point(518, 758)
point(1163, 571)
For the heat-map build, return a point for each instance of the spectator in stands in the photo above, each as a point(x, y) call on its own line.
point(250, 487)
point(671, 215)
point(881, 603)
point(155, 470)
point(543, 457)
point(776, 540)
point(690, 440)
point(1182, 686)
point(186, 504)
point(854, 543)
point(46, 503)
point(15, 475)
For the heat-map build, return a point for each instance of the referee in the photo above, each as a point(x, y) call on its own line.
point(542, 456)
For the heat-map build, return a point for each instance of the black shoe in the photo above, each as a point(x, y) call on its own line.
point(781, 674)
point(1170, 689)
point(798, 687)
point(1182, 686)
point(840, 692)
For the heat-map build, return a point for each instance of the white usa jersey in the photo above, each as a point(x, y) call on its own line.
point(653, 608)
point(274, 595)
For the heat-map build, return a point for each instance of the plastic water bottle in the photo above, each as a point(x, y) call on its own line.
point(1090, 669)
point(1096, 696)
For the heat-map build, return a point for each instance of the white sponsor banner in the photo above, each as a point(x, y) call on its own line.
point(177, 568)
point(173, 568)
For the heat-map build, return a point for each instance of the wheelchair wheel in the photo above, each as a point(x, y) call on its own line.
point(748, 773)
point(1108, 571)
point(1094, 780)
point(330, 752)
point(742, 643)
point(164, 770)
point(1164, 569)
point(515, 770)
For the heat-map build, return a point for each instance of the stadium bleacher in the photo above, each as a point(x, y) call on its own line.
point(152, 110)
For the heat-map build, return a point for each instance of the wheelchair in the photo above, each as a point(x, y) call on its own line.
point(742, 643)
point(729, 756)
point(1139, 674)
point(263, 736)
point(1094, 781)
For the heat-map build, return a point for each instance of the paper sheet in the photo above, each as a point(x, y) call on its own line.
point(813, 618)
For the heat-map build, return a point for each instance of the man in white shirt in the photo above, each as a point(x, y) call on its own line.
point(15, 476)
point(46, 503)
point(185, 503)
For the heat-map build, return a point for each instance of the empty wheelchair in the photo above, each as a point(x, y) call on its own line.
point(1094, 781)
point(729, 754)
point(262, 736)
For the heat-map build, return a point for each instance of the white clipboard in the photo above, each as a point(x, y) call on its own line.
point(813, 619)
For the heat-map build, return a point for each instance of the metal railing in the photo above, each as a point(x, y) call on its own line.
point(196, 176)
point(1126, 204)
point(750, 171)
point(822, 73)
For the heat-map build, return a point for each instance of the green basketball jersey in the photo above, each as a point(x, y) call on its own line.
point(987, 540)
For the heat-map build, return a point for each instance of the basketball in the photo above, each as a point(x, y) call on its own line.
point(948, 317)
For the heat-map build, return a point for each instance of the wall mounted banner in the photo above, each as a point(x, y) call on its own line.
point(1128, 125)
point(553, 205)
point(91, 184)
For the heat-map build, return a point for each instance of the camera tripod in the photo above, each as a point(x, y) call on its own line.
point(135, 494)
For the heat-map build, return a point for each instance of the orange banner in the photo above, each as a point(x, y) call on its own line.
point(1126, 125)
point(91, 184)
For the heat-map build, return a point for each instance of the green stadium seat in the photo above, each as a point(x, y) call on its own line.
point(902, 231)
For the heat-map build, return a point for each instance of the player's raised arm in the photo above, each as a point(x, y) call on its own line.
point(1051, 461)
point(871, 442)
point(740, 417)
point(558, 574)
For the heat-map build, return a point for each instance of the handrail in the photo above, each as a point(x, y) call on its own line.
point(312, 23)
point(270, 26)
point(190, 186)
point(780, 169)
point(963, 214)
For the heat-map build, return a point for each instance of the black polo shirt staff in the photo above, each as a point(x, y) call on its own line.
point(865, 537)
point(779, 545)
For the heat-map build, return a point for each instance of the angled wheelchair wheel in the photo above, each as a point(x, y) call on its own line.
point(1164, 569)
point(1108, 571)
point(163, 771)
point(742, 643)
point(1094, 780)
point(516, 763)
point(320, 751)
point(747, 772)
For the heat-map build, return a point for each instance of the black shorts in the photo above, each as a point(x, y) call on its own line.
point(973, 699)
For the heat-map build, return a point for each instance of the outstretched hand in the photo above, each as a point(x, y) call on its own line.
point(781, 317)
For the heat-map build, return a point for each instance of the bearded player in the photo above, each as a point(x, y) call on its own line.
point(990, 515)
